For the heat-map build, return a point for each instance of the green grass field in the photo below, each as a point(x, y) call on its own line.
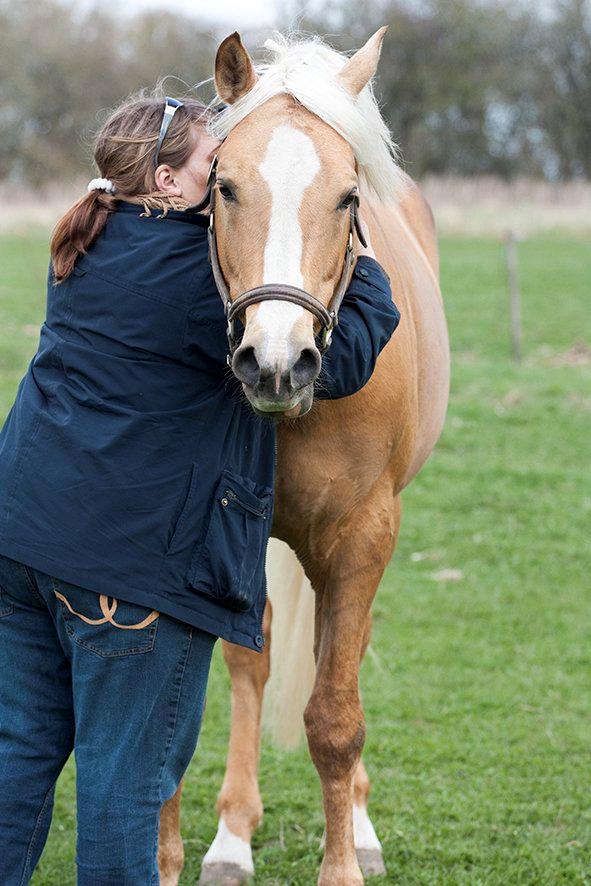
point(478, 686)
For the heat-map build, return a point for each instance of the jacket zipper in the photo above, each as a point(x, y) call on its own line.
point(261, 631)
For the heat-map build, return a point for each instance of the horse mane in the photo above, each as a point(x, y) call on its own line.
point(306, 68)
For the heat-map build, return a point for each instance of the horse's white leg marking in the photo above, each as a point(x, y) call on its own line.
point(364, 835)
point(288, 167)
point(227, 848)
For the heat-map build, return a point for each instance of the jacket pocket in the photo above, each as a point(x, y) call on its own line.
point(229, 563)
point(181, 532)
point(108, 627)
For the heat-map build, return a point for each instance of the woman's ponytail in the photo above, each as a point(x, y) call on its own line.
point(77, 230)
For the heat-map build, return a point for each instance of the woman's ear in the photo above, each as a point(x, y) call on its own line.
point(234, 71)
point(166, 181)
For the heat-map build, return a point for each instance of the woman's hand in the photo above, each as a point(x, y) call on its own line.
point(358, 247)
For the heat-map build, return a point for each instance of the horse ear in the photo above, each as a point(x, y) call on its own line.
point(361, 67)
point(234, 71)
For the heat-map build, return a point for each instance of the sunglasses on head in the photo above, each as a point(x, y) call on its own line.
point(171, 106)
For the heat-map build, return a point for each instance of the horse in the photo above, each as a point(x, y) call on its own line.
point(299, 132)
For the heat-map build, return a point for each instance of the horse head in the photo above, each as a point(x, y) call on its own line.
point(301, 138)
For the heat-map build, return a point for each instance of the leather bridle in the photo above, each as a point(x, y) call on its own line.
point(327, 316)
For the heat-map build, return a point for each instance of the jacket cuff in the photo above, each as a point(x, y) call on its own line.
point(369, 269)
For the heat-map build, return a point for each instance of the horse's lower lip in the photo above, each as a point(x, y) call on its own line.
point(291, 409)
point(282, 407)
point(263, 405)
point(271, 408)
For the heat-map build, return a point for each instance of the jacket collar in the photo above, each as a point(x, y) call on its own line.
point(137, 209)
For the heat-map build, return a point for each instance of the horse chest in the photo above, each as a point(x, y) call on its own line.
point(321, 476)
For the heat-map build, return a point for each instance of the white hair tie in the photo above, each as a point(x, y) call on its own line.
point(101, 184)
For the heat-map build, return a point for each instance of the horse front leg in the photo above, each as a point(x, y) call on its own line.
point(335, 724)
point(239, 807)
point(367, 845)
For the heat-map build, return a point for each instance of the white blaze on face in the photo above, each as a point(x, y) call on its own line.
point(289, 167)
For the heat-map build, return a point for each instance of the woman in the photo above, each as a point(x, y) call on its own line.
point(136, 500)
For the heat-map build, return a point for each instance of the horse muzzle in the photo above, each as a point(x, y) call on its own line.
point(276, 388)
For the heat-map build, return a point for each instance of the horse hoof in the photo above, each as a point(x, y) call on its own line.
point(223, 873)
point(371, 862)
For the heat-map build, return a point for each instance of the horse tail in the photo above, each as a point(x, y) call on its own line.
point(292, 645)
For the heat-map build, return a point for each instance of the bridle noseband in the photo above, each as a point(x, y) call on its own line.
point(327, 316)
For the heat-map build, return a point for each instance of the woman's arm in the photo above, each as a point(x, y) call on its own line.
point(367, 319)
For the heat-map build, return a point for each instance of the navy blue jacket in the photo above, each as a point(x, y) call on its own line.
point(131, 463)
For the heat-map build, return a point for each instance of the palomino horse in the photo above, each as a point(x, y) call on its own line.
point(300, 134)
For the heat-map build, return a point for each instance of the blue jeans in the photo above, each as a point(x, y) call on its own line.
point(128, 702)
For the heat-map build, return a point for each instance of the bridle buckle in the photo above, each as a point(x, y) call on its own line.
point(327, 331)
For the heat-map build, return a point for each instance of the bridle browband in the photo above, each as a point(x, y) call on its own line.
point(327, 316)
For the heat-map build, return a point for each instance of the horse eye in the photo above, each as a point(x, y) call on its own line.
point(346, 201)
point(226, 191)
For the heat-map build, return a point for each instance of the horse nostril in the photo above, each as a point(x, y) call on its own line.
point(246, 366)
point(306, 368)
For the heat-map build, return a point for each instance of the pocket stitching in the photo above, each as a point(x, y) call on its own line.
point(239, 481)
point(68, 620)
point(120, 653)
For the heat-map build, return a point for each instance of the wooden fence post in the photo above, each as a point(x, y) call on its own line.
point(514, 295)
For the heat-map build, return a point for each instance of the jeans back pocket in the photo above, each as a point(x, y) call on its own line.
point(107, 626)
point(229, 563)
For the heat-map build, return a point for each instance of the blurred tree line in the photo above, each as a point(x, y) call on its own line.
point(468, 86)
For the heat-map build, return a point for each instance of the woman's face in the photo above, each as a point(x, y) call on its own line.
point(191, 179)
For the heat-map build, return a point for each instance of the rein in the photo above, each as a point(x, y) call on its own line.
point(327, 316)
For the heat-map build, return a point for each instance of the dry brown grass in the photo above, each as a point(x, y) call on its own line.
point(490, 206)
point(465, 207)
point(24, 208)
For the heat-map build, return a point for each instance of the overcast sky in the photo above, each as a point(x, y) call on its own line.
point(238, 14)
point(229, 12)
